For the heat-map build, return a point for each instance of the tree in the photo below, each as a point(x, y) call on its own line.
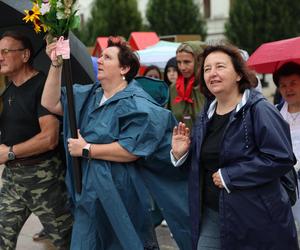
point(253, 22)
point(175, 17)
point(113, 17)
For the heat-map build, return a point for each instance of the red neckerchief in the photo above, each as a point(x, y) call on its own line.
point(182, 93)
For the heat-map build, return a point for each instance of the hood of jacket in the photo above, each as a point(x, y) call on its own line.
point(249, 98)
point(197, 48)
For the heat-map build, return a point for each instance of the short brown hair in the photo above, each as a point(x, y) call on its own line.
point(127, 58)
point(248, 78)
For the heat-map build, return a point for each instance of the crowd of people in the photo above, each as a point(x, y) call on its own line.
point(211, 160)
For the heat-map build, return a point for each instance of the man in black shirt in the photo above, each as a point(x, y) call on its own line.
point(33, 177)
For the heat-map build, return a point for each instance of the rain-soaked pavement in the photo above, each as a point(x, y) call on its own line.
point(33, 225)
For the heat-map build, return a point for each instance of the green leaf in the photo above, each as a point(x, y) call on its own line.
point(75, 22)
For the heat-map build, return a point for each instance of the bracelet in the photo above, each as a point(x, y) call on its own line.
point(56, 65)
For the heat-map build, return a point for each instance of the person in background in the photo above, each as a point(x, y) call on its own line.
point(235, 159)
point(153, 72)
point(186, 100)
point(33, 177)
point(124, 140)
point(171, 72)
point(287, 80)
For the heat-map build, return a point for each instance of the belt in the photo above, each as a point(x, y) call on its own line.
point(32, 160)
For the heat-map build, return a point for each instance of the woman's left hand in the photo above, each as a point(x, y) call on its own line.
point(75, 146)
point(217, 180)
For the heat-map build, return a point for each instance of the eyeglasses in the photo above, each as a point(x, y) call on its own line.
point(5, 52)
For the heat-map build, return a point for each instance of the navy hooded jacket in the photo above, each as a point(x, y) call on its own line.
point(255, 151)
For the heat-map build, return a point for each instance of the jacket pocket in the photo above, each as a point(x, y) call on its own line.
point(277, 206)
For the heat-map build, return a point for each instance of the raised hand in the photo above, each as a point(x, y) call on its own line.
point(180, 140)
point(50, 47)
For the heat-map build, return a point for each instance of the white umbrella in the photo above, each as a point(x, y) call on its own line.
point(158, 54)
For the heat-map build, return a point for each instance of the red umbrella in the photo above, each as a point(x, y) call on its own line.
point(270, 56)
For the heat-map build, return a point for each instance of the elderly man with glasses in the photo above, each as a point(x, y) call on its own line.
point(33, 177)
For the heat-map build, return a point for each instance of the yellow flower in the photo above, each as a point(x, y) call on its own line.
point(44, 27)
point(38, 26)
point(33, 14)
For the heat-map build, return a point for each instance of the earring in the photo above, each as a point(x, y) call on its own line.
point(123, 77)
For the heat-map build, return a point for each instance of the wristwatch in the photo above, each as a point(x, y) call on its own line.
point(86, 151)
point(11, 155)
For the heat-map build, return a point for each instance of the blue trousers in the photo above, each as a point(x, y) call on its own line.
point(210, 231)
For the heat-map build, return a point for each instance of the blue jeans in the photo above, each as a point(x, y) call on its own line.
point(296, 208)
point(210, 231)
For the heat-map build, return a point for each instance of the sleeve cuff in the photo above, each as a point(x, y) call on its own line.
point(223, 182)
point(297, 166)
point(178, 163)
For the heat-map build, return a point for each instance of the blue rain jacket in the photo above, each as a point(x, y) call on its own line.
point(256, 150)
point(113, 210)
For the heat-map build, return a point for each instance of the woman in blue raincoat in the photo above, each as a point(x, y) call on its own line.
point(124, 140)
point(239, 149)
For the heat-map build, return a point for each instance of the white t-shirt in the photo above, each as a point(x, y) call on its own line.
point(103, 100)
point(294, 120)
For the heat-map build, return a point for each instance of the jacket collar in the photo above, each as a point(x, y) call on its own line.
point(242, 103)
point(133, 89)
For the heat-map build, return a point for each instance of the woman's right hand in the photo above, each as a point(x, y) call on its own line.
point(51, 52)
point(50, 46)
point(180, 140)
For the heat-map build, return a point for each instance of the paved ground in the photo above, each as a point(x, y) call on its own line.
point(33, 225)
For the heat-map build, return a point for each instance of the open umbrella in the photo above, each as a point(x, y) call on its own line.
point(270, 56)
point(158, 54)
point(11, 14)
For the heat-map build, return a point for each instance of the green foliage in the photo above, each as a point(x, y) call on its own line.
point(113, 17)
point(253, 22)
point(168, 17)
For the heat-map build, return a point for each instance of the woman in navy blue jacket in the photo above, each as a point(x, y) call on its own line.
point(239, 148)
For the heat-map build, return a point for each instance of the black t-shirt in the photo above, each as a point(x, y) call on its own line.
point(210, 158)
point(21, 110)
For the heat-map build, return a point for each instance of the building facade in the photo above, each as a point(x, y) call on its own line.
point(216, 13)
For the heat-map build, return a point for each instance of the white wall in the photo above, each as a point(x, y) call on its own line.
point(219, 8)
point(84, 8)
point(142, 4)
point(219, 12)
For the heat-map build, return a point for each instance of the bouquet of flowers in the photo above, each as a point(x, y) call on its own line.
point(55, 17)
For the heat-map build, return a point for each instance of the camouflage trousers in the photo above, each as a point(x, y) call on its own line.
point(38, 189)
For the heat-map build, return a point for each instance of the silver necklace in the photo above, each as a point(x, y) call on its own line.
point(293, 117)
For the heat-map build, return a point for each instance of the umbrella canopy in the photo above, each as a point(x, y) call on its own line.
point(11, 14)
point(158, 54)
point(270, 56)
